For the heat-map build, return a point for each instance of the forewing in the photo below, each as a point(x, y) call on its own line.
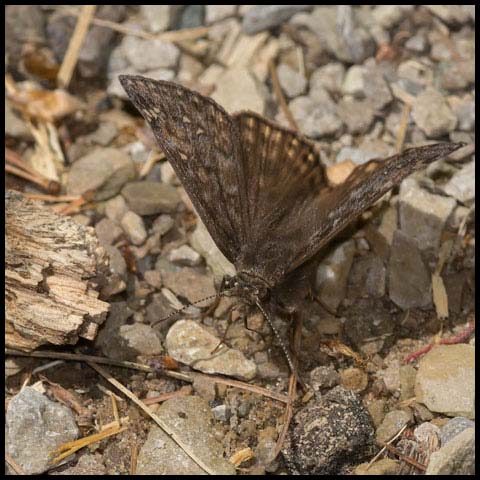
point(199, 139)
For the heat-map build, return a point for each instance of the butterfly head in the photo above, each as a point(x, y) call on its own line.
point(249, 288)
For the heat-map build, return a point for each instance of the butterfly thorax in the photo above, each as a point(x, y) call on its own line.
point(250, 288)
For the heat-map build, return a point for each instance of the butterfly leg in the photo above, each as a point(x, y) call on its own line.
point(229, 324)
point(210, 309)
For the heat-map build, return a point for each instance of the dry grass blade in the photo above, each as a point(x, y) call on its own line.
point(405, 458)
point(144, 368)
point(402, 129)
point(279, 94)
point(241, 456)
point(166, 428)
point(71, 56)
point(182, 392)
point(133, 459)
point(14, 465)
point(69, 448)
point(385, 446)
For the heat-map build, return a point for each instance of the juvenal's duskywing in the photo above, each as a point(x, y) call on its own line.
point(261, 189)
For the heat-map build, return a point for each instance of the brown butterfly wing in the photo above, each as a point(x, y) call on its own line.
point(199, 139)
point(292, 209)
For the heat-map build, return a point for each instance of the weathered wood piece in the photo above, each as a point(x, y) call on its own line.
point(52, 268)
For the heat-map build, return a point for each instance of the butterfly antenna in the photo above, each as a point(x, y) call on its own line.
point(175, 312)
point(282, 344)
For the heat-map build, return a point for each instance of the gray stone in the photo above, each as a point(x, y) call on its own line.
point(151, 198)
point(147, 55)
point(192, 16)
point(86, 465)
point(407, 382)
point(116, 208)
point(163, 224)
point(393, 422)
point(340, 31)
point(324, 377)
point(239, 80)
point(291, 81)
point(455, 458)
point(384, 466)
point(457, 75)
point(432, 114)
point(202, 242)
point(132, 225)
point(264, 17)
point(316, 116)
point(35, 427)
point(423, 215)
point(103, 171)
point(417, 43)
point(329, 77)
point(445, 382)
point(189, 343)
point(451, 14)
point(191, 421)
point(188, 283)
point(332, 275)
point(185, 255)
point(215, 13)
point(356, 155)
point(158, 17)
point(464, 109)
point(462, 184)
point(353, 83)
point(117, 262)
point(408, 278)
point(454, 427)
point(376, 88)
point(388, 15)
point(329, 437)
point(356, 114)
point(108, 232)
point(367, 277)
point(14, 125)
point(221, 413)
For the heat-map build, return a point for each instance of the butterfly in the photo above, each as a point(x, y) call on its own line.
point(261, 189)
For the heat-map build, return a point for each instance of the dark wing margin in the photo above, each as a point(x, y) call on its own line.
point(200, 140)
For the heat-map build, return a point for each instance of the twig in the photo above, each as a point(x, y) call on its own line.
point(173, 36)
point(182, 392)
point(71, 56)
point(165, 427)
point(78, 357)
point(402, 129)
point(133, 459)
point(279, 94)
point(405, 458)
point(51, 198)
point(384, 447)
point(15, 165)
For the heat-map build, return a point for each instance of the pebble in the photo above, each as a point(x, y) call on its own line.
point(221, 413)
point(332, 275)
point(292, 82)
point(357, 115)
point(353, 83)
point(108, 232)
point(264, 17)
point(190, 419)
point(423, 215)
point(147, 55)
point(329, 436)
point(328, 77)
point(457, 457)
point(185, 255)
point(368, 277)
point(103, 171)
point(462, 184)
point(158, 17)
point(445, 381)
point(34, 427)
point(454, 427)
point(189, 343)
point(409, 280)
point(186, 282)
point(116, 208)
point(316, 116)
point(163, 224)
point(393, 422)
point(203, 243)
point(324, 377)
point(237, 80)
point(215, 13)
point(354, 379)
point(151, 198)
point(132, 225)
point(432, 114)
point(384, 466)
